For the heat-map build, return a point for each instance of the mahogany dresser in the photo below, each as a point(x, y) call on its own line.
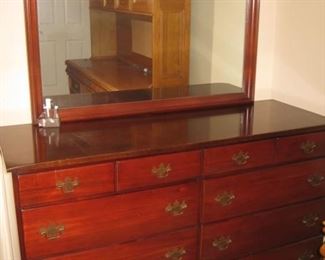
point(232, 183)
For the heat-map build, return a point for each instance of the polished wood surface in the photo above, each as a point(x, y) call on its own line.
point(155, 184)
point(95, 223)
point(107, 75)
point(238, 157)
point(178, 60)
point(158, 247)
point(306, 249)
point(259, 234)
point(254, 190)
point(102, 140)
point(65, 185)
point(95, 141)
point(155, 170)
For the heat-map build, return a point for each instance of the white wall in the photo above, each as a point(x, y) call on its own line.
point(299, 54)
point(290, 57)
point(14, 88)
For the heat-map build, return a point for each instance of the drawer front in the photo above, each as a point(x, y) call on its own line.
point(237, 157)
point(100, 222)
point(176, 245)
point(65, 184)
point(255, 233)
point(142, 6)
point(142, 172)
point(237, 195)
point(301, 147)
point(304, 250)
point(123, 5)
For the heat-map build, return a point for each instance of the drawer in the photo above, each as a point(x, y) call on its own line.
point(237, 157)
point(142, 6)
point(123, 5)
point(301, 147)
point(237, 195)
point(160, 169)
point(176, 245)
point(306, 249)
point(241, 236)
point(60, 185)
point(100, 222)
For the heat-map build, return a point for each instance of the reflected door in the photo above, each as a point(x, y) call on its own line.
point(64, 33)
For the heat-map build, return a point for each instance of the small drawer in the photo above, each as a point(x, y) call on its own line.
point(306, 249)
point(301, 147)
point(60, 185)
point(69, 227)
point(123, 5)
point(256, 233)
point(236, 157)
point(237, 195)
point(176, 245)
point(160, 169)
point(142, 6)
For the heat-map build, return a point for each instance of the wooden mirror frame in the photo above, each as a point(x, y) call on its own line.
point(142, 107)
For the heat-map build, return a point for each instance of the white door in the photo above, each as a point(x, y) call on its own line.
point(64, 32)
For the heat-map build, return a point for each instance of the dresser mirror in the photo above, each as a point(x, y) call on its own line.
point(101, 58)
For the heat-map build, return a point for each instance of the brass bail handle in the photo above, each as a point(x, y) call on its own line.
point(68, 185)
point(241, 158)
point(307, 255)
point(176, 208)
point(308, 147)
point(176, 254)
point(225, 199)
point(222, 243)
point(162, 171)
point(52, 231)
point(310, 220)
point(316, 180)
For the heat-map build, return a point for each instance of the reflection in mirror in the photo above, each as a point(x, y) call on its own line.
point(87, 48)
point(217, 41)
point(149, 55)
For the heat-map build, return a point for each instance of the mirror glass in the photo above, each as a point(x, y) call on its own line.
point(77, 33)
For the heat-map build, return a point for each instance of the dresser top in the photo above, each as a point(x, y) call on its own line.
point(28, 148)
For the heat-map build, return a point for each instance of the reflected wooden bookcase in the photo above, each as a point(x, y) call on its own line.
point(135, 44)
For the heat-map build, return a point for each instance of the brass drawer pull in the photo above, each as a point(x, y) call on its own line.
point(310, 220)
point(68, 185)
point(316, 180)
point(176, 254)
point(307, 255)
point(308, 147)
point(52, 231)
point(176, 208)
point(226, 198)
point(241, 158)
point(162, 171)
point(222, 243)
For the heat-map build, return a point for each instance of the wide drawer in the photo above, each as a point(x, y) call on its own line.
point(305, 250)
point(301, 147)
point(262, 189)
point(176, 245)
point(60, 185)
point(100, 222)
point(160, 169)
point(242, 236)
point(237, 157)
